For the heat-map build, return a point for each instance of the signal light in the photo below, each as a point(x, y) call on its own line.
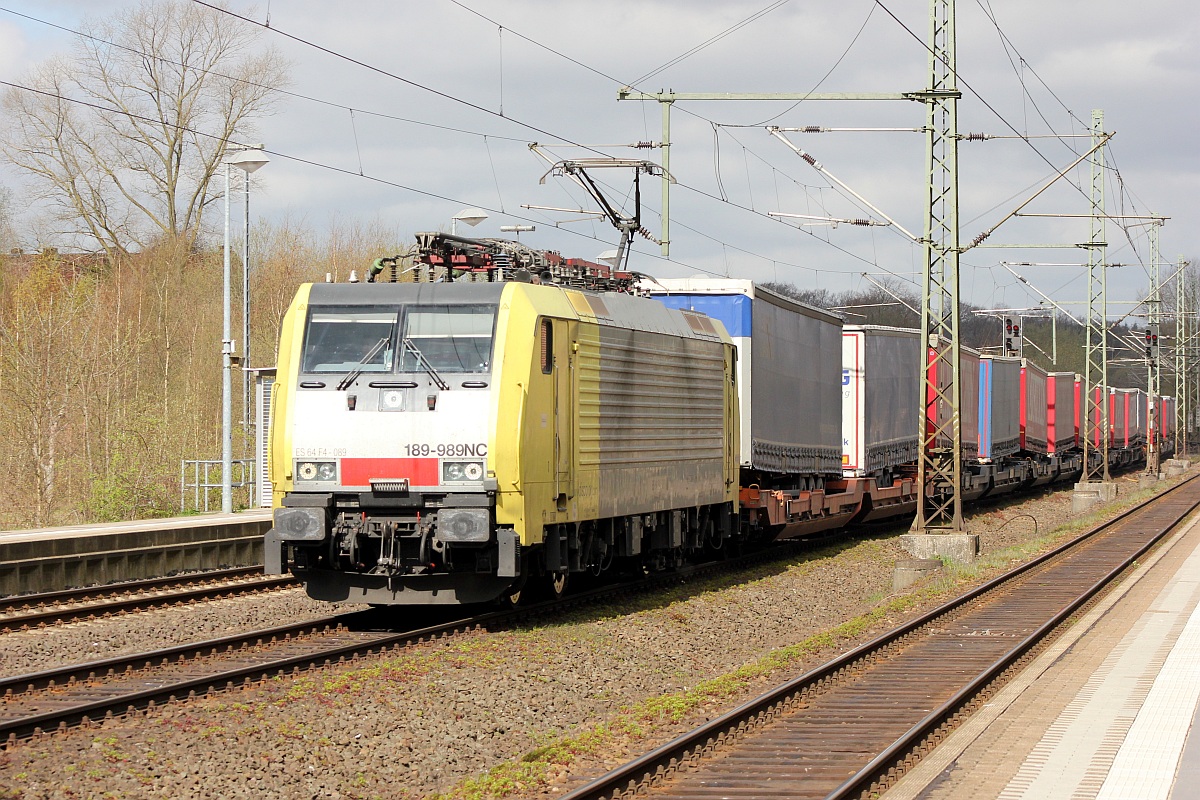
point(1014, 344)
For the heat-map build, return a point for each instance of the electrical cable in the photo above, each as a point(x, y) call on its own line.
point(712, 40)
point(407, 81)
point(245, 82)
point(394, 184)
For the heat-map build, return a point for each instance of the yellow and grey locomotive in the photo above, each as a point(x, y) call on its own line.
point(494, 424)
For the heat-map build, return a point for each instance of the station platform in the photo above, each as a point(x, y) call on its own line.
point(48, 559)
point(1108, 710)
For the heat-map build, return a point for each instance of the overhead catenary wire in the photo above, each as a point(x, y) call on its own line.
point(418, 85)
point(394, 184)
point(394, 76)
point(246, 82)
point(351, 110)
point(495, 136)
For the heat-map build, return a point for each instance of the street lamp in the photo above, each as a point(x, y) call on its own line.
point(247, 159)
point(471, 216)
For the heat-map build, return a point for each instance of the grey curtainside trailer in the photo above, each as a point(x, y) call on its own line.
point(789, 372)
point(881, 384)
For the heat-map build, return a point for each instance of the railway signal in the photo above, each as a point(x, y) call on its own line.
point(1014, 341)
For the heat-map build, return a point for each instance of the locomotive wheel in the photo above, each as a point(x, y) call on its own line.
point(556, 585)
point(514, 594)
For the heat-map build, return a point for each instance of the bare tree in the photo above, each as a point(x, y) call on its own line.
point(162, 89)
point(8, 231)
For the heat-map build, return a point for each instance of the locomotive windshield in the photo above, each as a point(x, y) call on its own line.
point(450, 338)
point(340, 339)
point(446, 338)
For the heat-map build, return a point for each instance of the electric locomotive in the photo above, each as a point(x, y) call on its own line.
point(493, 426)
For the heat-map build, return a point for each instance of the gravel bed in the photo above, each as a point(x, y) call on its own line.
point(423, 720)
point(76, 642)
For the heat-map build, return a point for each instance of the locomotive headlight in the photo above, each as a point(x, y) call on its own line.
point(316, 471)
point(463, 525)
point(462, 471)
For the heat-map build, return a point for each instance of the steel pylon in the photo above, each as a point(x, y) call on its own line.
point(1095, 376)
point(1153, 362)
point(1185, 332)
point(939, 470)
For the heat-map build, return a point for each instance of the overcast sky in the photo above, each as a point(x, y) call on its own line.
point(1063, 59)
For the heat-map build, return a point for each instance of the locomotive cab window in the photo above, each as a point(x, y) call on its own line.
point(448, 338)
point(341, 339)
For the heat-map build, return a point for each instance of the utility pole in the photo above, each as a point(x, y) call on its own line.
point(1095, 377)
point(1153, 324)
point(1181, 326)
point(1186, 401)
point(939, 468)
point(940, 423)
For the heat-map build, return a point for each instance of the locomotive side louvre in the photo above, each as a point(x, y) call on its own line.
point(881, 369)
point(632, 418)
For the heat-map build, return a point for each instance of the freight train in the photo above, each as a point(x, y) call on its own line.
point(510, 417)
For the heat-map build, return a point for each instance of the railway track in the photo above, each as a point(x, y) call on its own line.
point(21, 612)
point(56, 699)
point(853, 726)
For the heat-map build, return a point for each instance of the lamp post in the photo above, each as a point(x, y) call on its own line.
point(471, 216)
point(248, 160)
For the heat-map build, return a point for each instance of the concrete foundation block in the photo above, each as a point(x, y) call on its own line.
point(1088, 495)
point(910, 570)
point(1147, 479)
point(960, 547)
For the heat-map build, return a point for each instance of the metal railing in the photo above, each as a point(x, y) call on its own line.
point(206, 477)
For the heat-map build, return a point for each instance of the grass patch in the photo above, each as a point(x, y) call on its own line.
point(999, 560)
point(538, 766)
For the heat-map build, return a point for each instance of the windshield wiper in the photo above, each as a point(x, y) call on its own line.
point(408, 344)
point(353, 374)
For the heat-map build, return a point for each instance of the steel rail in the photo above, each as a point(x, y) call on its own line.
point(652, 767)
point(68, 674)
point(20, 601)
point(31, 610)
point(943, 715)
point(32, 725)
point(81, 676)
